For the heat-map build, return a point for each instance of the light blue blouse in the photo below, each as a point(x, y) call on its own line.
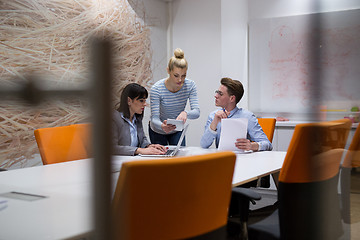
point(133, 131)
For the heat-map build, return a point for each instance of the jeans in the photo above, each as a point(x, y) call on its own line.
point(165, 139)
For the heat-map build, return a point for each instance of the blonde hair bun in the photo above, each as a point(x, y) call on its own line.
point(178, 53)
point(178, 60)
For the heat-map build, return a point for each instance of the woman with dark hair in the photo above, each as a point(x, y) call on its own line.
point(128, 133)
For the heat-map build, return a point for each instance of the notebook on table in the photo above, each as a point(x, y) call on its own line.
point(170, 152)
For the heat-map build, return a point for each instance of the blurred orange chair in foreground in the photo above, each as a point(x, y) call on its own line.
point(174, 198)
point(308, 201)
point(309, 205)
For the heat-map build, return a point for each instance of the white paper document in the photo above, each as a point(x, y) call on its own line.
point(178, 123)
point(232, 129)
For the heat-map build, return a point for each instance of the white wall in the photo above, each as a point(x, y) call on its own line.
point(281, 8)
point(213, 35)
point(196, 30)
point(234, 53)
point(155, 14)
point(218, 49)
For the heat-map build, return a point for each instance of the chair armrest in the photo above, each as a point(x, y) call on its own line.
point(246, 193)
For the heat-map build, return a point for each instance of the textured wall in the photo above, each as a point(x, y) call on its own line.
point(51, 38)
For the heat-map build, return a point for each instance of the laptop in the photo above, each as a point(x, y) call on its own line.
point(171, 152)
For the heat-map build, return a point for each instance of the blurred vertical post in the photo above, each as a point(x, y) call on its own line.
point(315, 67)
point(101, 69)
point(315, 80)
point(315, 139)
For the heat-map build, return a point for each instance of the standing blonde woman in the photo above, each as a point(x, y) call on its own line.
point(168, 99)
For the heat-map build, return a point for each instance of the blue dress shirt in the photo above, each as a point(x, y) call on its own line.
point(254, 131)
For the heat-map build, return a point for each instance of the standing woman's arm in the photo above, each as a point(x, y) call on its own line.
point(194, 113)
point(155, 108)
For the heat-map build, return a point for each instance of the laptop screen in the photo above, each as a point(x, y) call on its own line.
point(181, 138)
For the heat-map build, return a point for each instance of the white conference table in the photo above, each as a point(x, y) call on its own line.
point(249, 166)
point(66, 210)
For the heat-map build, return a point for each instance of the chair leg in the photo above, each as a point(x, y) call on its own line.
point(244, 231)
point(275, 177)
point(258, 183)
point(244, 205)
point(240, 199)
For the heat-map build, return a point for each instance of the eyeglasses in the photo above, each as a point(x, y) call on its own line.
point(219, 92)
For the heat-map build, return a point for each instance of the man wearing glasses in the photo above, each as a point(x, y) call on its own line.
point(227, 96)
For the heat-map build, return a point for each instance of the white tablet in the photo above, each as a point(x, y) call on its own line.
point(178, 123)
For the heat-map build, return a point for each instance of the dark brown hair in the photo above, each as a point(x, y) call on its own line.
point(234, 87)
point(133, 91)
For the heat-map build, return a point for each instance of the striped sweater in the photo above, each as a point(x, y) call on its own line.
point(165, 104)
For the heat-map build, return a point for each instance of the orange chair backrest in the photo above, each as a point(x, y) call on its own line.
point(173, 198)
point(84, 130)
point(268, 126)
point(352, 158)
point(315, 151)
point(61, 144)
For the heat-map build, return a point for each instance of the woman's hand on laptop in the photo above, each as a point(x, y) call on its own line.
point(152, 149)
point(158, 146)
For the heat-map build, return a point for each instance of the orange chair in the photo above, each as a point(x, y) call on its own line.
point(308, 185)
point(61, 144)
point(310, 139)
point(268, 126)
point(175, 198)
point(84, 130)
